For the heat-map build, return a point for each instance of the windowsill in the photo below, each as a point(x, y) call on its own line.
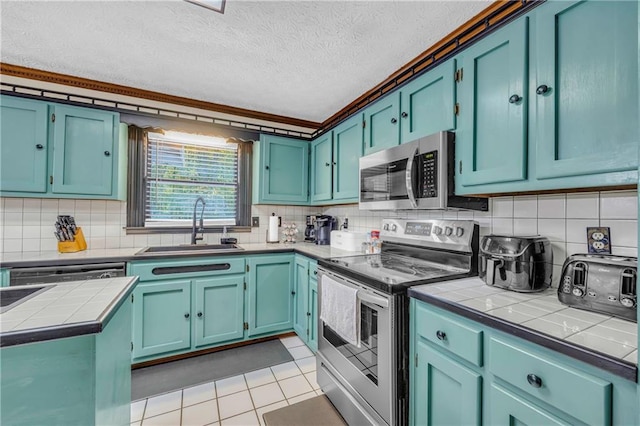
point(184, 230)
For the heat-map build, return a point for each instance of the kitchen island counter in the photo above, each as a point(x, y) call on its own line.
point(597, 339)
point(66, 309)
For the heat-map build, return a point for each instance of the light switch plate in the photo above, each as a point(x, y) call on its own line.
point(599, 240)
point(255, 221)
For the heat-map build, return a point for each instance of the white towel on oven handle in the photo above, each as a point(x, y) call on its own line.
point(340, 309)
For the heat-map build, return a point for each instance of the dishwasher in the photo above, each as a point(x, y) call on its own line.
point(57, 274)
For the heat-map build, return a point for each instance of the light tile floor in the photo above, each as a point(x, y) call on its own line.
point(239, 400)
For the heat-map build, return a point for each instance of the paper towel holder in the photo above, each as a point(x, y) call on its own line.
point(273, 239)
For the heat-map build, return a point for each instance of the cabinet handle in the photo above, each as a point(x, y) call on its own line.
point(308, 314)
point(441, 335)
point(542, 89)
point(394, 120)
point(327, 164)
point(199, 314)
point(514, 99)
point(39, 146)
point(187, 315)
point(266, 167)
point(404, 115)
point(334, 163)
point(315, 272)
point(107, 153)
point(534, 380)
point(293, 293)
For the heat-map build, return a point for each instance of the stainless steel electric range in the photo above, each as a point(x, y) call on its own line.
point(368, 381)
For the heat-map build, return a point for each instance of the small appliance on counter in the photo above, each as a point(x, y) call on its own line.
point(347, 240)
point(310, 230)
point(600, 283)
point(522, 264)
point(324, 225)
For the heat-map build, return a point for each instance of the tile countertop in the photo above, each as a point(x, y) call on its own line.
point(541, 312)
point(53, 258)
point(64, 310)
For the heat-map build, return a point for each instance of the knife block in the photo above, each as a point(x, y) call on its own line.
point(78, 244)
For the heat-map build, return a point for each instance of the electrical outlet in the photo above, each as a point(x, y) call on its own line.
point(599, 240)
point(255, 221)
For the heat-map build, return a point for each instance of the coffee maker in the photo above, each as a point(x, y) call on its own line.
point(324, 225)
point(310, 230)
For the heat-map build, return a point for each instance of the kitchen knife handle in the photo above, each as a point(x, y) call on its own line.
point(534, 380)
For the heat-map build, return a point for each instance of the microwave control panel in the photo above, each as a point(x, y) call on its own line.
point(429, 175)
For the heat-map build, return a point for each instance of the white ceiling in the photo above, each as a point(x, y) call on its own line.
point(303, 59)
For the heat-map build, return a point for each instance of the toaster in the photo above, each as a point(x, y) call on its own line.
point(522, 264)
point(600, 283)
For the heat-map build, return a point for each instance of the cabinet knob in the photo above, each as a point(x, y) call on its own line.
point(404, 115)
point(39, 146)
point(199, 314)
point(441, 335)
point(293, 293)
point(187, 315)
point(514, 99)
point(308, 314)
point(534, 380)
point(394, 120)
point(266, 167)
point(327, 164)
point(107, 153)
point(315, 272)
point(542, 89)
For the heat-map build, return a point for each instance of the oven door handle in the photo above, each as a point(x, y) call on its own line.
point(409, 180)
point(376, 300)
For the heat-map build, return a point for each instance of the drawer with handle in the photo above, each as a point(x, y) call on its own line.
point(203, 266)
point(578, 394)
point(461, 339)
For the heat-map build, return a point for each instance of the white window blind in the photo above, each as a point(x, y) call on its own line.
point(180, 169)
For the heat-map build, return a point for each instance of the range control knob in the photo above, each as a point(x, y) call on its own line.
point(448, 231)
point(394, 228)
point(385, 227)
point(627, 302)
point(437, 230)
point(459, 232)
point(577, 292)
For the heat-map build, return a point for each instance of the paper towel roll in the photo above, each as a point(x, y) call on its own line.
point(272, 233)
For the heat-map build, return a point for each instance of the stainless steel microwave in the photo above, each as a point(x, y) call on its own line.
point(414, 175)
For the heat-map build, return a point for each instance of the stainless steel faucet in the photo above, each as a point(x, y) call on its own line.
point(200, 228)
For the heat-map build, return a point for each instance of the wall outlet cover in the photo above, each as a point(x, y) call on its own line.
point(599, 240)
point(255, 221)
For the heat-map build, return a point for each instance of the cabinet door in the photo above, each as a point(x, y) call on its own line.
point(508, 409)
point(161, 317)
point(301, 298)
point(83, 151)
point(270, 296)
point(321, 166)
point(444, 392)
point(427, 103)
point(218, 309)
point(23, 145)
point(312, 341)
point(285, 170)
point(492, 135)
point(587, 118)
point(347, 150)
point(381, 128)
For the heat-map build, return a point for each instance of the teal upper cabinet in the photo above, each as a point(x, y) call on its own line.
point(270, 294)
point(59, 151)
point(23, 159)
point(83, 152)
point(381, 124)
point(492, 137)
point(321, 168)
point(219, 309)
point(585, 86)
point(280, 171)
point(427, 103)
point(334, 163)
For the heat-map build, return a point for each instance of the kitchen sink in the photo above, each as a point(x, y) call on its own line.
point(190, 248)
point(12, 297)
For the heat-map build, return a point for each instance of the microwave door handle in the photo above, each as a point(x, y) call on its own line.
point(409, 170)
point(379, 301)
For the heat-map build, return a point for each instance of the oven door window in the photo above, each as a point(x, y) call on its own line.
point(384, 182)
point(365, 357)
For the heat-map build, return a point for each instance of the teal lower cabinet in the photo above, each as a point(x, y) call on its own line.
point(305, 314)
point(4, 277)
point(219, 309)
point(82, 380)
point(270, 294)
point(465, 372)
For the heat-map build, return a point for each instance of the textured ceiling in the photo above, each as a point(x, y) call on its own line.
point(303, 59)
